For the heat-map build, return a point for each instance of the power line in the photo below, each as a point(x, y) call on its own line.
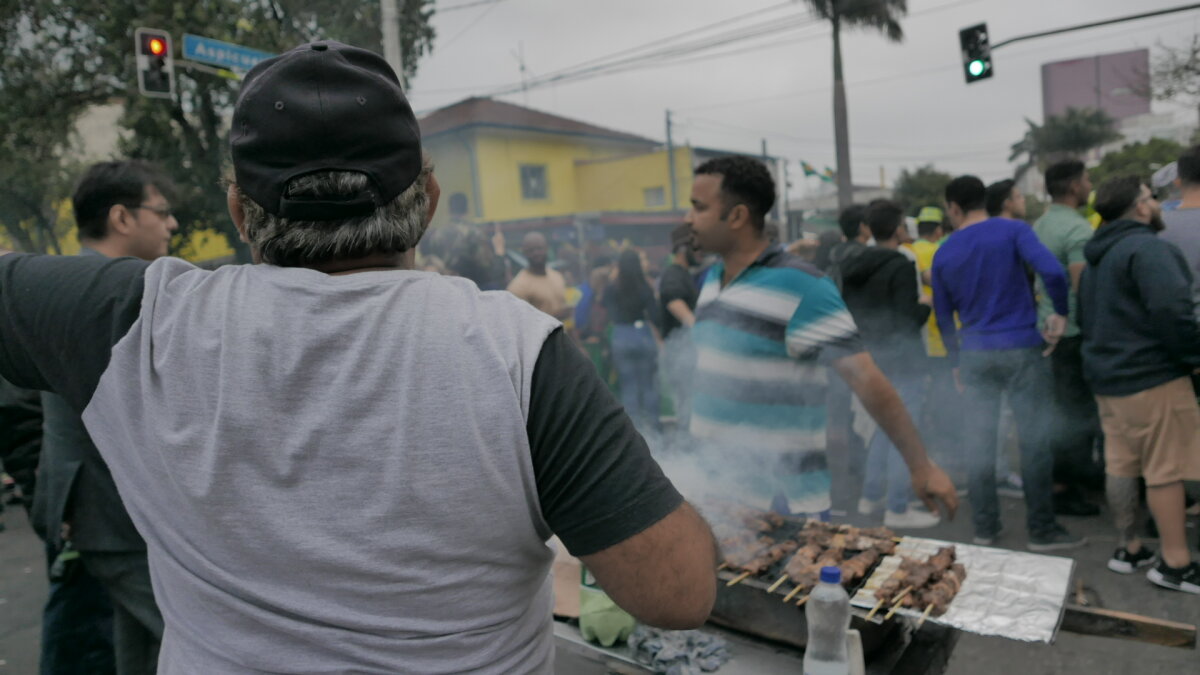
point(492, 5)
point(466, 5)
point(672, 38)
point(704, 44)
point(910, 74)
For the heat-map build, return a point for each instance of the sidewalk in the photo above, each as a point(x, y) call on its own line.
point(22, 594)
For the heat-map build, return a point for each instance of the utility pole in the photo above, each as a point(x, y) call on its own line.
point(671, 164)
point(390, 15)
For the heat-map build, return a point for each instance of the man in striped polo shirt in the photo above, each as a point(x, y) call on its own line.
point(768, 328)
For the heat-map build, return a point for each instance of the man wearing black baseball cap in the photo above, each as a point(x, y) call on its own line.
point(457, 429)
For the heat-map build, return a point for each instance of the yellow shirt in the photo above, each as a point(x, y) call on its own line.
point(933, 337)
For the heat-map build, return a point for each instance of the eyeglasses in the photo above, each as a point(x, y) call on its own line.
point(163, 212)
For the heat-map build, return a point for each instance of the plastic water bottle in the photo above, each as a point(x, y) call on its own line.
point(828, 615)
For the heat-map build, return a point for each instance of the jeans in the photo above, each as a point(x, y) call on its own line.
point(942, 419)
point(137, 623)
point(1025, 376)
point(77, 625)
point(885, 468)
point(635, 357)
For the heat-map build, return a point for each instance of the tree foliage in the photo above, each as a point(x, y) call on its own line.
point(925, 186)
point(61, 58)
point(1139, 159)
point(1061, 136)
point(1175, 74)
point(878, 15)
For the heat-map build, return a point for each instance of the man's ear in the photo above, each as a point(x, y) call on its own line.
point(120, 220)
point(236, 214)
point(434, 190)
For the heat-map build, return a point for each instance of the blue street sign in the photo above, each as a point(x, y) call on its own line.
point(221, 54)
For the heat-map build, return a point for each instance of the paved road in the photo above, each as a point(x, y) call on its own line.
point(23, 588)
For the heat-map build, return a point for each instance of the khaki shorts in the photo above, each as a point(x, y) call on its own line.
point(1154, 434)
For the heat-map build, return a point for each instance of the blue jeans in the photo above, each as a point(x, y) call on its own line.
point(635, 356)
point(1025, 376)
point(885, 468)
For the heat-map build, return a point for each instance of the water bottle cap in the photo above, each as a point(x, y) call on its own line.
point(831, 575)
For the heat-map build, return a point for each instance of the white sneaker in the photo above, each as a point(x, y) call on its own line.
point(910, 520)
point(868, 507)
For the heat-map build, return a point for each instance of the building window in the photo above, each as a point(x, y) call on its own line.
point(533, 181)
point(654, 196)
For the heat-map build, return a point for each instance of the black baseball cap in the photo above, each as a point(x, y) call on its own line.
point(323, 106)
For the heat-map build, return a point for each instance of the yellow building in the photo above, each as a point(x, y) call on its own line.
point(506, 166)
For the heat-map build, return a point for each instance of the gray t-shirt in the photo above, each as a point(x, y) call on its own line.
point(352, 474)
point(1183, 230)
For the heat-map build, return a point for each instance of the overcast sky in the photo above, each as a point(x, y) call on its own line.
point(908, 102)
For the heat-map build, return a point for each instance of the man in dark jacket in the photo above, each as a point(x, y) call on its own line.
point(853, 224)
point(879, 285)
point(122, 210)
point(1140, 344)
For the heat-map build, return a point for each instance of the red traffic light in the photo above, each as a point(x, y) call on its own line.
point(157, 46)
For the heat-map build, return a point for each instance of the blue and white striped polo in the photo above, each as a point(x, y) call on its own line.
point(764, 344)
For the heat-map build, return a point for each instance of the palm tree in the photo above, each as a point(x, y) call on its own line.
point(881, 15)
point(1072, 134)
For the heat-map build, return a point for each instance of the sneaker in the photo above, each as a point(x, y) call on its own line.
point(910, 520)
point(982, 540)
point(1124, 562)
point(1186, 579)
point(1011, 486)
point(869, 507)
point(1057, 539)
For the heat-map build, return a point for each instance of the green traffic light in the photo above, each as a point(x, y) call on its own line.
point(976, 67)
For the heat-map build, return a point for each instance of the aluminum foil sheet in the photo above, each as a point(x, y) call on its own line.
point(1019, 596)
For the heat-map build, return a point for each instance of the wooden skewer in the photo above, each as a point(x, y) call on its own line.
point(896, 603)
point(794, 593)
point(723, 566)
point(924, 616)
point(875, 610)
point(803, 600)
point(738, 579)
point(777, 584)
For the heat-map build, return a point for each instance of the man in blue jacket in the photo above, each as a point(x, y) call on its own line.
point(979, 273)
point(1140, 344)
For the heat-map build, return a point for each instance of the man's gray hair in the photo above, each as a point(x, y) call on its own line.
point(393, 228)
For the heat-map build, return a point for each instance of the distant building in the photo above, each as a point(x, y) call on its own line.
point(1118, 84)
point(523, 169)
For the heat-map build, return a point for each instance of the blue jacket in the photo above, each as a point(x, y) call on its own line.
point(979, 273)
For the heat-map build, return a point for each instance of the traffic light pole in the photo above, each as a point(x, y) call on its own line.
point(1095, 24)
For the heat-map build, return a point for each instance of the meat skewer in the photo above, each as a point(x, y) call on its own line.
point(896, 605)
point(924, 616)
point(938, 596)
point(762, 560)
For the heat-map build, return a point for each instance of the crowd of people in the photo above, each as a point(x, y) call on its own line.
point(197, 421)
point(1087, 335)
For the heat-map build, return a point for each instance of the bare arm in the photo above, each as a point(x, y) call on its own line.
point(1075, 270)
point(930, 483)
point(680, 310)
point(666, 575)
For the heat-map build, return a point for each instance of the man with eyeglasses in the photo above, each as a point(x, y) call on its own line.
point(121, 210)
